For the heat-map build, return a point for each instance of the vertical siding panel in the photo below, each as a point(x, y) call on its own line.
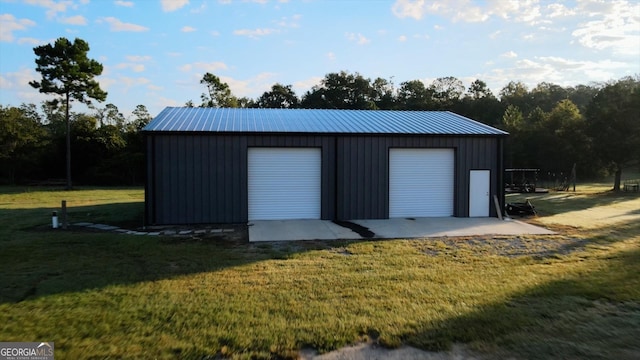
point(173, 187)
point(167, 190)
point(189, 185)
point(197, 179)
point(360, 175)
point(227, 179)
point(182, 179)
point(204, 180)
point(342, 181)
point(217, 167)
point(370, 193)
point(243, 175)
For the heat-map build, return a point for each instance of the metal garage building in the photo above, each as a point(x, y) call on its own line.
point(212, 165)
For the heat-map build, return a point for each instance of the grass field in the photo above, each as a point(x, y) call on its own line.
point(105, 295)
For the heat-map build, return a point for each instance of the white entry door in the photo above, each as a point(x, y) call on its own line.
point(479, 190)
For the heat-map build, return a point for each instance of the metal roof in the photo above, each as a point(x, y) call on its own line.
point(327, 121)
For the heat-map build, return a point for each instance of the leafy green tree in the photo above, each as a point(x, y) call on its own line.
point(109, 115)
point(218, 93)
point(513, 122)
point(383, 94)
point(563, 138)
point(279, 97)
point(614, 125)
point(245, 102)
point(141, 118)
point(479, 90)
point(340, 91)
point(480, 104)
point(22, 139)
point(516, 93)
point(69, 74)
point(413, 95)
point(446, 92)
point(581, 95)
point(546, 95)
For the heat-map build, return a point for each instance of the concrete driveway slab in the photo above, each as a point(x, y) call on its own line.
point(449, 226)
point(278, 230)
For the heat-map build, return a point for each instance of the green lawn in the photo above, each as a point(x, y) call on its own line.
point(104, 295)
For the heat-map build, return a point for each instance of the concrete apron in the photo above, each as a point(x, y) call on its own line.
point(287, 230)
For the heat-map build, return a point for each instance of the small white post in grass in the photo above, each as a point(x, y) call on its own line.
point(54, 220)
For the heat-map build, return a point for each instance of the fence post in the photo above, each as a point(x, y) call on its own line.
point(64, 214)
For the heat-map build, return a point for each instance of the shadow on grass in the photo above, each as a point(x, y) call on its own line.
point(595, 315)
point(569, 201)
point(37, 261)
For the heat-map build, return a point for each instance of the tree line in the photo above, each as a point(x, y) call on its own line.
point(594, 126)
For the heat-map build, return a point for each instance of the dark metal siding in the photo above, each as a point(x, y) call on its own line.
point(202, 177)
point(363, 171)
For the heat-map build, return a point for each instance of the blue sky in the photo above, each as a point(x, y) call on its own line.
point(155, 51)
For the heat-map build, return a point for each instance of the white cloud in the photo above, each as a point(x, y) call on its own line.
point(402, 38)
point(9, 24)
point(164, 102)
point(438, 27)
point(468, 11)
point(495, 34)
point(154, 87)
point(214, 33)
point(188, 29)
point(408, 8)
point(615, 27)
point(124, 3)
point(251, 87)
point(559, 10)
point(18, 84)
point(135, 67)
point(358, 38)
point(331, 56)
point(106, 82)
point(290, 22)
point(4, 83)
point(300, 87)
point(255, 34)
point(74, 20)
point(129, 82)
point(557, 70)
point(138, 58)
point(31, 41)
point(173, 5)
point(202, 66)
point(53, 7)
point(117, 25)
point(198, 10)
point(509, 55)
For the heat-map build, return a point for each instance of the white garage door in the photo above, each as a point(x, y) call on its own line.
point(284, 183)
point(421, 182)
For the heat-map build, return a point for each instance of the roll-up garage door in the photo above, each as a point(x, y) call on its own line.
point(421, 182)
point(284, 183)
